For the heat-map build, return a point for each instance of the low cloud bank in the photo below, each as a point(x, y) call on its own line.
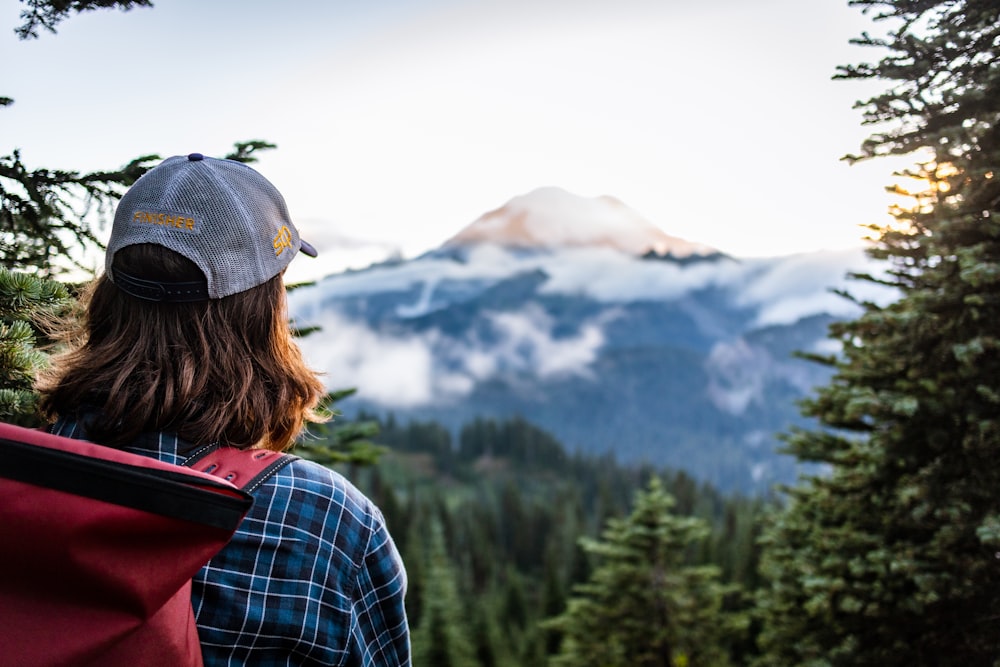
point(432, 367)
point(426, 368)
point(785, 289)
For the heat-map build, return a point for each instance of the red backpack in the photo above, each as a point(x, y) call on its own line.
point(99, 546)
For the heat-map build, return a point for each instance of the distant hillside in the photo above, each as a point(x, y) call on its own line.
point(684, 361)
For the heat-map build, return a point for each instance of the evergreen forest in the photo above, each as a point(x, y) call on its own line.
point(505, 534)
point(520, 552)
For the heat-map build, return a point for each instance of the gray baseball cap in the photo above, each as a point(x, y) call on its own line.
point(221, 214)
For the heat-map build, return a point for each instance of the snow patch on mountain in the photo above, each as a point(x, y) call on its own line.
point(554, 218)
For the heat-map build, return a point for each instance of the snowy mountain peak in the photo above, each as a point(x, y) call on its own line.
point(552, 217)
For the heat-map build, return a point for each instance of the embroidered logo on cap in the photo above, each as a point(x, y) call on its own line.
point(282, 240)
point(164, 220)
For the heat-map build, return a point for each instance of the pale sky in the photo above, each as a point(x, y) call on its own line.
point(401, 121)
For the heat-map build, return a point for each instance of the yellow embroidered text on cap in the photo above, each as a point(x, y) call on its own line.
point(282, 240)
point(164, 220)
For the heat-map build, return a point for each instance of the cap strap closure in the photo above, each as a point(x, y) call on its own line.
point(162, 291)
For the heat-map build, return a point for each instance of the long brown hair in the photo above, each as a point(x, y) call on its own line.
point(221, 370)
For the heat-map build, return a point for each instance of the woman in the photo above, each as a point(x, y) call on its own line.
point(185, 343)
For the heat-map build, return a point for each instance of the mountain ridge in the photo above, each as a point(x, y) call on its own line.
point(686, 363)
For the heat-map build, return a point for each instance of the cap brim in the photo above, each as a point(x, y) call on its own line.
point(307, 248)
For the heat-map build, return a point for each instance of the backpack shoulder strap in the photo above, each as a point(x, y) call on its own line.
point(246, 469)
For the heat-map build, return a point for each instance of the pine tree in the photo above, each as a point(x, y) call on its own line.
point(48, 222)
point(333, 442)
point(893, 557)
point(49, 13)
point(48, 216)
point(643, 606)
point(22, 299)
point(442, 637)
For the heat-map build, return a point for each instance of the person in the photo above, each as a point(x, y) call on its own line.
point(185, 342)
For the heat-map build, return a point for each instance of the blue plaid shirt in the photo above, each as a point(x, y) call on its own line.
point(311, 576)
